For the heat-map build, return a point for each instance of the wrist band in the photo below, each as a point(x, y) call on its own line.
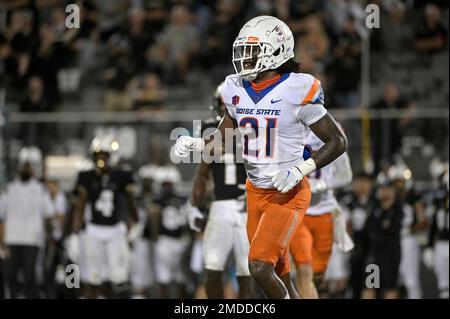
point(199, 144)
point(307, 167)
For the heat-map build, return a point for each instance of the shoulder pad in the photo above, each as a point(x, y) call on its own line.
point(231, 83)
point(303, 88)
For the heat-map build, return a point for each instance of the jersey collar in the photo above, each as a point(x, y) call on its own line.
point(258, 91)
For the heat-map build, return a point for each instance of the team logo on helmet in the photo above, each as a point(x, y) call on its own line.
point(281, 35)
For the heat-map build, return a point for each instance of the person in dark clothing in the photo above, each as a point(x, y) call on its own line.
point(386, 133)
point(359, 204)
point(36, 101)
point(138, 36)
point(383, 228)
point(221, 34)
point(51, 55)
point(346, 66)
point(414, 222)
point(173, 238)
point(432, 35)
point(436, 253)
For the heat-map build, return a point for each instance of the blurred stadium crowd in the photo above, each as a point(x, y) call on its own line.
point(158, 56)
point(147, 55)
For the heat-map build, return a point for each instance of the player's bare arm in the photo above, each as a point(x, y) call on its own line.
point(1, 233)
point(156, 215)
point(335, 141)
point(201, 179)
point(81, 200)
point(130, 192)
point(3, 247)
point(154, 219)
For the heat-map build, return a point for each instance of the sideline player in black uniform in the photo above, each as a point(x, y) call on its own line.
point(225, 230)
point(143, 235)
point(172, 233)
point(105, 208)
point(436, 255)
point(383, 229)
point(360, 204)
point(414, 222)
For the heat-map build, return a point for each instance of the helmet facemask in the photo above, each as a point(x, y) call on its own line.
point(248, 59)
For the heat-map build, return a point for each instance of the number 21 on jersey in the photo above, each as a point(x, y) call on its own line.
point(269, 138)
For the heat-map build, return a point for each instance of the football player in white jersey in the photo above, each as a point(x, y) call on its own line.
point(275, 107)
point(312, 244)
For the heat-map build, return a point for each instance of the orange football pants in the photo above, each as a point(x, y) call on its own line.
point(272, 221)
point(313, 242)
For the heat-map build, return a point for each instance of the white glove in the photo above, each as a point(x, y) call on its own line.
point(428, 257)
point(185, 144)
point(135, 232)
point(284, 180)
point(317, 185)
point(341, 237)
point(194, 214)
point(72, 245)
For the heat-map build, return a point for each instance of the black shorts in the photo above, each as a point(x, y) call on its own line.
point(389, 271)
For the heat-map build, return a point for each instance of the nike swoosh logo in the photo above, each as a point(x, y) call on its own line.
point(276, 101)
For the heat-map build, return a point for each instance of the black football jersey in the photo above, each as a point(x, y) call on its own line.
point(383, 227)
point(227, 174)
point(440, 225)
point(173, 221)
point(106, 195)
point(409, 213)
point(145, 201)
point(359, 210)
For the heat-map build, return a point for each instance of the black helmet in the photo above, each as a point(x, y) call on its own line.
point(217, 102)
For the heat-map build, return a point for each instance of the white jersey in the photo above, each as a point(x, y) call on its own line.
point(335, 175)
point(273, 122)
